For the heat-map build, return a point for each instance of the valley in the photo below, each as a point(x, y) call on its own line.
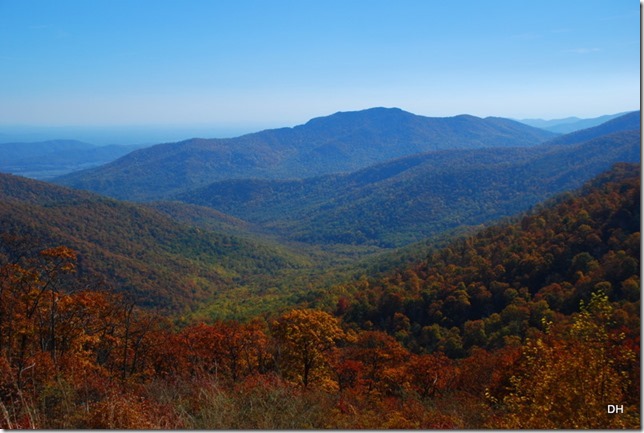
point(339, 215)
point(337, 263)
point(266, 242)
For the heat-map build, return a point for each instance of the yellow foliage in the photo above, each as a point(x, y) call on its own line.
point(569, 382)
point(305, 338)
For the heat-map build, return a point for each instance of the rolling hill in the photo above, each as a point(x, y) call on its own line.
point(546, 261)
point(239, 240)
point(137, 250)
point(405, 200)
point(342, 142)
point(628, 122)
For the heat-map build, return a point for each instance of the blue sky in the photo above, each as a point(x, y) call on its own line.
point(271, 63)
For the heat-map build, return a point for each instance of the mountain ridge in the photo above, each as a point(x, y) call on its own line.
point(357, 207)
point(628, 121)
point(383, 206)
point(570, 124)
point(341, 142)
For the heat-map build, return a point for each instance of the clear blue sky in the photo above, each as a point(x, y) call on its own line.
point(279, 63)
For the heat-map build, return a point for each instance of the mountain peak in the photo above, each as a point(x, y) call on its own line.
point(341, 142)
point(375, 113)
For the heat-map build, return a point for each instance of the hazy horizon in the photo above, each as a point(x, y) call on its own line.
point(154, 134)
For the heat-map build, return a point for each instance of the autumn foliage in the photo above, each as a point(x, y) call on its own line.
point(534, 324)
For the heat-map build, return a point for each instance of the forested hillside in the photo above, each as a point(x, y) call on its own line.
point(341, 142)
point(137, 250)
point(408, 199)
point(506, 280)
point(533, 323)
point(264, 244)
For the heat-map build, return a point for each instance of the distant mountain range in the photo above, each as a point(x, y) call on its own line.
point(569, 124)
point(627, 122)
point(406, 200)
point(122, 135)
point(263, 215)
point(472, 174)
point(48, 159)
point(342, 142)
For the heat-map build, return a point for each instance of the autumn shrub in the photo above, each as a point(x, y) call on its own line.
point(359, 410)
point(259, 402)
point(123, 411)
